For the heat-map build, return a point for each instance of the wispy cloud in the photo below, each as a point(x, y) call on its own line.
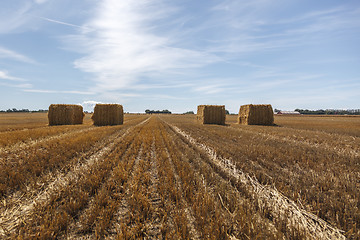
point(126, 47)
point(13, 17)
point(9, 54)
point(58, 91)
point(65, 23)
point(210, 88)
point(132, 43)
point(258, 26)
point(5, 75)
point(40, 1)
point(22, 86)
point(21, 16)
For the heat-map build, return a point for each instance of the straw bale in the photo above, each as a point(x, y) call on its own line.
point(211, 114)
point(108, 114)
point(65, 114)
point(256, 114)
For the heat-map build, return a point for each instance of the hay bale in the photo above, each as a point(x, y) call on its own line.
point(108, 114)
point(211, 114)
point(259, 114)
point(65, 114)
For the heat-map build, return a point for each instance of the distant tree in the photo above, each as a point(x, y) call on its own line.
point(147, 111)
point(329, 111)
point(190, 112)
point(24, 110)
point(227, 112)
point(166, 111)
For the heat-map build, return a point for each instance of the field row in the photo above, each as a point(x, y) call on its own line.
point(318, 170)
point(143, 185)
point(167, 177)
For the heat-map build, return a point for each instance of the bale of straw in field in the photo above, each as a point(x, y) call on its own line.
point(256, 114)
point(65, 114)
point(211, 114)
point(108, 114)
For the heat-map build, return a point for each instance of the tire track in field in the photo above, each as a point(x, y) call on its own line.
point(144, 167)
point(187, 209)
point(269, 197)
point(10, 219)
point(77, 229)
point(154, 223)
point(122, 215)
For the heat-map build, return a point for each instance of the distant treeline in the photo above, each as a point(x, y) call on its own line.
point(329, 111)
point(22, 110)
point(192, 112)
point(147, 111)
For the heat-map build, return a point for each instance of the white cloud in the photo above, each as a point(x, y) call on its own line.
point(89, 105)
point(90, 102)
point(125, 46)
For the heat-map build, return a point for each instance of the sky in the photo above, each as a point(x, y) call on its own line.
point(175, 55)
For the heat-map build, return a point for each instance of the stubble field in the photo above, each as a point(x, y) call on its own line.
point(167, 177)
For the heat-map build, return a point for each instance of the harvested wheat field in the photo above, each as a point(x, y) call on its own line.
point(167, 177)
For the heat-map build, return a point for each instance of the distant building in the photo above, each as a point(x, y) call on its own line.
point(288, 113)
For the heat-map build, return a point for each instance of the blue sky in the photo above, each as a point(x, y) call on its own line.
point(158, 54)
